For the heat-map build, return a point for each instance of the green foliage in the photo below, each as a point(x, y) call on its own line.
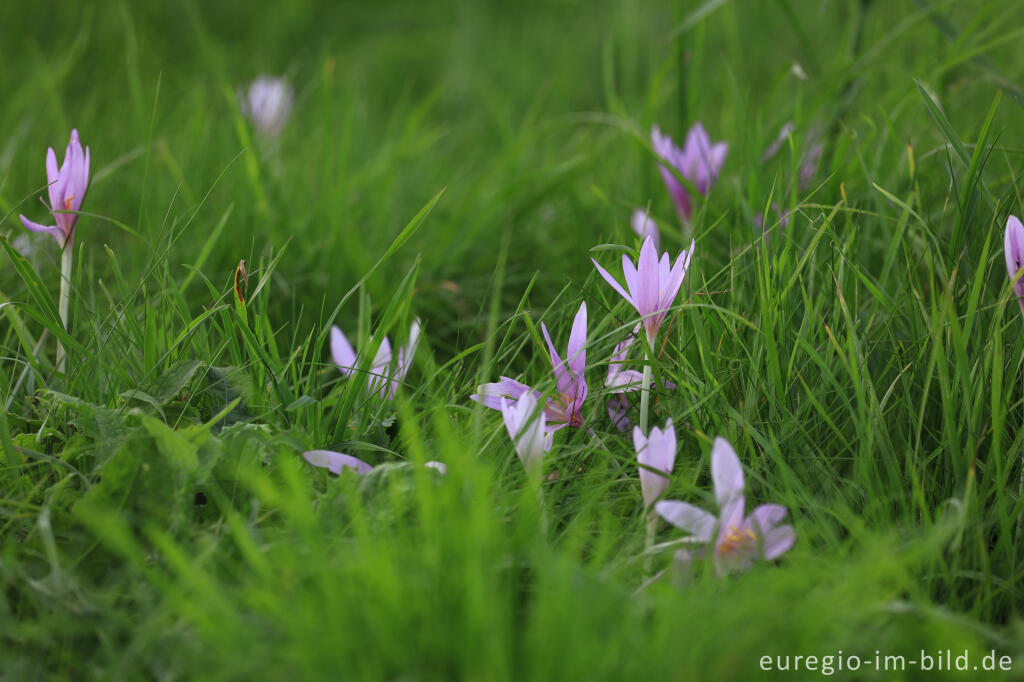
point(460, 163)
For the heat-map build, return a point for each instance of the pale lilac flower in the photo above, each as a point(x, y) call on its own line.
point(386, 372)
point(67, 186)
point(738, 539)
point(655, 452)
point(1013, 245)
point(652, 285)
point(525, 426)
point(643, 224)
point(782, 222)
point(621, 381)
point(335, 462)
point(699, 162)
point(267, 103)
point(565, 408)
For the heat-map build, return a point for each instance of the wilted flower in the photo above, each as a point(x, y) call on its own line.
point(336, 461)
point(738, 539)
point(385, 375)
point(564, 409)
point(652, 284)
point(1013, 245)
point(621, 381)
point(643, 224)
point(656, 451)
point(526, 428)
point(267, 103)
point(67, 186)
point(699, 161)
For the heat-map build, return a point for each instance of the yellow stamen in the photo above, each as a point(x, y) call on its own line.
point(735, 539)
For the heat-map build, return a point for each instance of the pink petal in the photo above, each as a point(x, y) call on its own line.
point(342, 352)
point(52, 230)
point(335, 462)
point(727, 476)
point(611, 280)
point(562, 379)
point(694, 520)
point(577, 352)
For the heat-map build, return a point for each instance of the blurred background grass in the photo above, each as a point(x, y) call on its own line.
point(867, 393)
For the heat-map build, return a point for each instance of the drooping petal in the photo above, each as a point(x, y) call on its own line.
point(490, 395)
point(342, 352)
point(694, 520)
point(727, 476)
point(335, 462)
point(611, 280)
point(440, 467)
point(52, 230)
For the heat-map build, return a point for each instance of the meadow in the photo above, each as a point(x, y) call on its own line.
point(846, 324)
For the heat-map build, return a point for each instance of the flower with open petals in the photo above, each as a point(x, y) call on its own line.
point(67, 186)
point(738, 540)
point(1013, 245)
point(699, 161)
point(565, 408)
point(652, 284)
point(525, 426)
point(643, 224)
point(655, 453)
point(268, 103)
point(386, 371)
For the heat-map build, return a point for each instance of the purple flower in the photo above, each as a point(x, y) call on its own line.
point(621, 381)
point(699, 161)
point(386, 372)
point(644, 225)
point(738, 539)
point(566, 408)
point(267, 103)
point(525, 426)
point(336, 461)
point(783, 220)
point(67, 187)
point(654, 453)
point(652, 284)
point(1013, 245)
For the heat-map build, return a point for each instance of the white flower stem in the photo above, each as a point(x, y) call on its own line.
point(65, 298)
point(645, 396)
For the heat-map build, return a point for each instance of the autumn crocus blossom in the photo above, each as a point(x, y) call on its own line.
point(699, 161)
point(655, 453)
point(525, 426)
point(643, 224)
point(565, 408)
point(67, 187)
point(738, 540)
point(621, 381)
point(386, 370)
point(1013, 243)
point(267, 103)
point(652, 284)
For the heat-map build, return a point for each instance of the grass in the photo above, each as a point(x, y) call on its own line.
point(458, 162)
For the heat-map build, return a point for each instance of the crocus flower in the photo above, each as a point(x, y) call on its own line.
point(267, 103)
point(386, 372)
point(1013, 245)
point(67, 186)
point(565, 408)
point(525, 427)
point(738, 540)
point(335, 462)
point(783, 220)
point(658, 452)
point(699, 161)
point(644, 225)
point(652, 284)
point(621, 381)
